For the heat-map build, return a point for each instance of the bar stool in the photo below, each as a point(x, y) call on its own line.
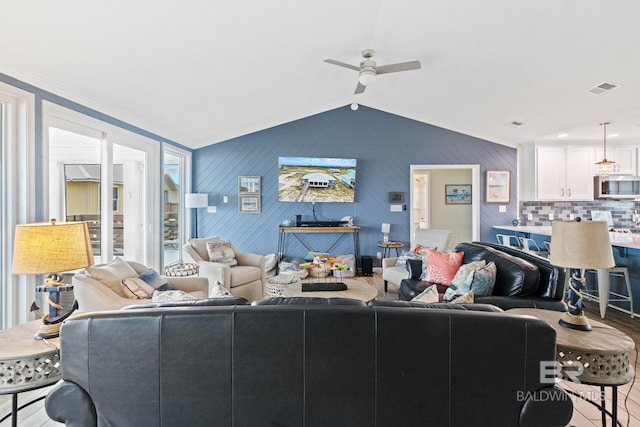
point(530, 245)
point(508, 240)
point(594, 294)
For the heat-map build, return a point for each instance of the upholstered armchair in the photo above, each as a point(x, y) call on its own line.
point(97, 288)
point(246, 279)
point(427, 238)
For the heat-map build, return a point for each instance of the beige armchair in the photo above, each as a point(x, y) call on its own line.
point(244, 280)
point(97, 288)
point(425, 237)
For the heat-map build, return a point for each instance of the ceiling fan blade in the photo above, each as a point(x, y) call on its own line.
point(401, 66)
point(342, 64)
point(360, 88)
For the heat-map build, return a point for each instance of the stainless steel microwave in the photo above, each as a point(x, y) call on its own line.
point(616, 187)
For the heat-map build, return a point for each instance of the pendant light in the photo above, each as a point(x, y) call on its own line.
point(605, 167)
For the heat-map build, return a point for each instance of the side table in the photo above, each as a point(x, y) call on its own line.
point(387, 246)
point(26, 363)
point(603, 352)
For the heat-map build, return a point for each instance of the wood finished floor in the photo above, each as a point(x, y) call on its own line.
point(584, 414)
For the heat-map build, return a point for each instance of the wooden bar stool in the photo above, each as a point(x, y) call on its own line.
point(595, 295)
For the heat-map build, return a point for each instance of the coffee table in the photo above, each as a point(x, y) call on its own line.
point(603, 352)
point(355, 290)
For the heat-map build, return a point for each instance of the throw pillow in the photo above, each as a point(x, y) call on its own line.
point(171, 296)
point(218, 291)
point(221, 251)
point(481, 281)
point(402, 259)
point(415, 268)
point(442, 266)
point(464, 299)
point(430, 294)
point(153, 279)
point(112, 273)
point(458, 284)
point(136, 288)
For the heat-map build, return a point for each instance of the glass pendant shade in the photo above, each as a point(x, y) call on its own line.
point(605, 166)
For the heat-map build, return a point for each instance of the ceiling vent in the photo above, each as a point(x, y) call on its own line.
point(603, 88)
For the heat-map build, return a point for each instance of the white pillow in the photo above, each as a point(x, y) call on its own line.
point(112, 273)
point(428, 295)
point(218, 291)
point(137, 288)
point(171, 296)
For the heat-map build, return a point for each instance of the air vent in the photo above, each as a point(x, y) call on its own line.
point(603, 88)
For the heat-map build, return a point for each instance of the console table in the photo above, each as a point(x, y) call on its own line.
point(26, 363)
point(340, 231)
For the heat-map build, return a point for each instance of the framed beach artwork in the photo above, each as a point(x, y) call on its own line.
point(457, 194)
point(249, 204)
point(249, 185)
point(498, 186)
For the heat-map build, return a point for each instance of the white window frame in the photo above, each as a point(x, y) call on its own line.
point(18, 198)
point(184, 223)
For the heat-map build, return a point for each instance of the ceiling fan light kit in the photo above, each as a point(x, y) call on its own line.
point(368, 70)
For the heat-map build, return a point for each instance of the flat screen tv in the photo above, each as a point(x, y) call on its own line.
point(316, 179)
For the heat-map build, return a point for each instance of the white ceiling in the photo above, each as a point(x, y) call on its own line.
point(200, 72)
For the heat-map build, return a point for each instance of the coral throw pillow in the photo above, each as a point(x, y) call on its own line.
point(442, 266)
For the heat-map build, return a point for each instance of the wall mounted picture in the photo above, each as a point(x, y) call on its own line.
point(249, 204)
point(457, 194)
point(498, 186)
point(396, 197)
point(249, 185)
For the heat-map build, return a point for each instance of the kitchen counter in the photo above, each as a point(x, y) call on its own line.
point(623, 240)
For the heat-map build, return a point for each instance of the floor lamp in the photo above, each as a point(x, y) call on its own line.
point(52, 248)
point(578, 245)
point(195, 201)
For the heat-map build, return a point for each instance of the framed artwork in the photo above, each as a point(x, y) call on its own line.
point(249, 204)
point(498, 186)
point(457, 194)
point(396, 197)
point(249, 184)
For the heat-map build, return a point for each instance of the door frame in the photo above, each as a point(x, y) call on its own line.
point(475, 193)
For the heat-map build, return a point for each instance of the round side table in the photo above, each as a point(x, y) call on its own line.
point(604, 353)
point(387, 246)
point(26, 363)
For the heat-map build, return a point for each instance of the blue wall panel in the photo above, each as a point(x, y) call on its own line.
point(384, 144)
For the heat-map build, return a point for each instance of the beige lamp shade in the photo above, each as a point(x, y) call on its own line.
point(196, 200)
point(584, 244)
point(51, 247)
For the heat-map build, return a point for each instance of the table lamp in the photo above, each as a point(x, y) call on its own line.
point(52, 248)
point(386, 227)
point(578, 245)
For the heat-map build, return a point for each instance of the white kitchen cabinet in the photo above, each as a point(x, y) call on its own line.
point(564, 172)
point(625, 156)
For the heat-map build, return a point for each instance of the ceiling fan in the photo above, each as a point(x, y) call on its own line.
point(368, 69)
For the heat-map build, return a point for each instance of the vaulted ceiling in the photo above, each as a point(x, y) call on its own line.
point(200, 72)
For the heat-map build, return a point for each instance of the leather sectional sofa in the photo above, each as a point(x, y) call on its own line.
point(523, 280)
point(311, 362)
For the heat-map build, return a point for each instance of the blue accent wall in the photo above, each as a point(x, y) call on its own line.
point(385, 145)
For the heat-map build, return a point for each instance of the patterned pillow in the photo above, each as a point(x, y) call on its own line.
point(428, 295)
point(218, 291)
point(402, 259)
point(171, 296)
point(481, 281)
point(464, 299)
point(142, 287)
point(442, 266)
point(458, 284)
point(221, 251)
point(137, 288)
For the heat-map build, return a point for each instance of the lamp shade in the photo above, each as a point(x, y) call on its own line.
point(386, 227)
point(584, 244)
point(51, 247)
point(196, 200)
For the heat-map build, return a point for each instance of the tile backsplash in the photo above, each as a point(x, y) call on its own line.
point(621, 211)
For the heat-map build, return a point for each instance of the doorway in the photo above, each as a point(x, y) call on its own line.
point(429, 207)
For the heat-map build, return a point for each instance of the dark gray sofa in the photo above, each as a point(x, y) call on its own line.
point(523, 280)
point(318, 364)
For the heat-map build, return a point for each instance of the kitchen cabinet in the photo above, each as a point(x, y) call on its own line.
point(625, 156)
point(564, 172)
